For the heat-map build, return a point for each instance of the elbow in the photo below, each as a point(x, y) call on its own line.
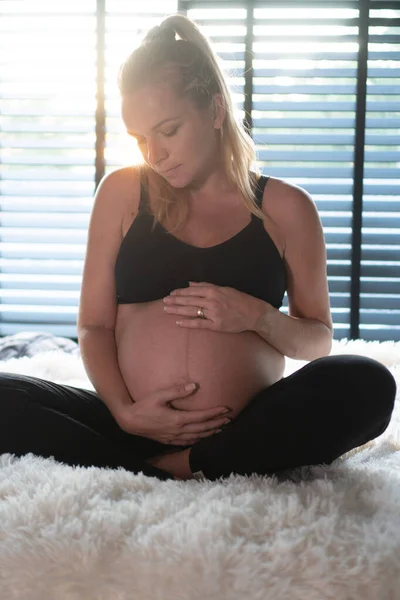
point(330, 342)
point(86, 331)
point(325, 346)
point(316, 348)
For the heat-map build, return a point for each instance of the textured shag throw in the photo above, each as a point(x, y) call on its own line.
point(72, 533)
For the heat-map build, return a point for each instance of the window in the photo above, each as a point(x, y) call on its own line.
point(317, 82)
point(47, 160)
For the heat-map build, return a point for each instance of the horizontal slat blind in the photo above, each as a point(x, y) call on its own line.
point(380, 257)
point(304, 123)
point(296, 96)
point(304, 100)
point(47, 156)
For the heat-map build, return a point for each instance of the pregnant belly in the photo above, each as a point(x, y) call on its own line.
point(155, 353)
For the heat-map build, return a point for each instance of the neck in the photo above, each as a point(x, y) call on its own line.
point(209, 185)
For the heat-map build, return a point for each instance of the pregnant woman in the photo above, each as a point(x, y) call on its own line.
point(187, 263)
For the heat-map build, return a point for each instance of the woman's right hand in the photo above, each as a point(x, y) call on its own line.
point(155, 419)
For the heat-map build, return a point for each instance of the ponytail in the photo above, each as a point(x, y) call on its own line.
point(177, 52)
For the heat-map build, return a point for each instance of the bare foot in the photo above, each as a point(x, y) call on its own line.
point(174, 463)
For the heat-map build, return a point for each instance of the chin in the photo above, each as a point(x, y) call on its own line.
point(179, 185)
point(179, 182)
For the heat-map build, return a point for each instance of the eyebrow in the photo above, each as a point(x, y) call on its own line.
point(155, 126)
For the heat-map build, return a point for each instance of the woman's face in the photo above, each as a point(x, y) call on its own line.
point(177, 140)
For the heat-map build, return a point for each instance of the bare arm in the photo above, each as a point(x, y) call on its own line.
point(99, 356)
point(98, 305)
point(295, 337)
point(306, 332)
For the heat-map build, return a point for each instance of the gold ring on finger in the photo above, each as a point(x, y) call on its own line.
point(200, 313)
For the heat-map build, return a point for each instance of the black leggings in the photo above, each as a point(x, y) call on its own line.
point(315, 415)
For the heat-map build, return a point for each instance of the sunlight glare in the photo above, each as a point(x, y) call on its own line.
point(124, 151)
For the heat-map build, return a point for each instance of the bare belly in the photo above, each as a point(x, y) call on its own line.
point(155, 353)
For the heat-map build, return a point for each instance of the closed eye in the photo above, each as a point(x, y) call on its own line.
point(171, 133)
point(141, 140)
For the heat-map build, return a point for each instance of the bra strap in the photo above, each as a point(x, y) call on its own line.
point(144, 196)
point(260, 186)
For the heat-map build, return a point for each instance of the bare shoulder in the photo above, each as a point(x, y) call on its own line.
point(122, 183)
point(97, 304)
point(281, 197)
point(118, 194)
point(289, 207)
point(296, 215)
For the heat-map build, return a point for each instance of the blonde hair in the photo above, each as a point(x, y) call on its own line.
point(191, 67)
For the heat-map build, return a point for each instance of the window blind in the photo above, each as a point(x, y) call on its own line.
point(380, 257)
point(307, 119)
point(296, 73)
point(47, 160)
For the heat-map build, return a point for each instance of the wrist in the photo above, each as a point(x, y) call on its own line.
point(261, 309)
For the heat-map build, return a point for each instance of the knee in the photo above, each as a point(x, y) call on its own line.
point(6, 381)
point(363, 381)
point(386, 388)
point(12, 385)
point(376, 384)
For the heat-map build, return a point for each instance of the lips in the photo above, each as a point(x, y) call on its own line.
point(169, 170)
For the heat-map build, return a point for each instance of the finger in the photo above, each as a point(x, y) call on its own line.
point(191, 428)
point(186, 311)
point(193, 290)
point(193, 440)
point(197, 324)
point(200, 416)
point(178, 390)
point(202, 284)
point(187, 301)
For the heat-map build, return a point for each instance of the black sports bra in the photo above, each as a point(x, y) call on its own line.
point(150, 264)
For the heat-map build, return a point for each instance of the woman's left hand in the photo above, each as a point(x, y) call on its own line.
point(225, 308)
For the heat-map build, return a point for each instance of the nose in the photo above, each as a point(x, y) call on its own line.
point(155, 152)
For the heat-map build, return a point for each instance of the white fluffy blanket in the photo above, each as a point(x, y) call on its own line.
point(71, 533)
